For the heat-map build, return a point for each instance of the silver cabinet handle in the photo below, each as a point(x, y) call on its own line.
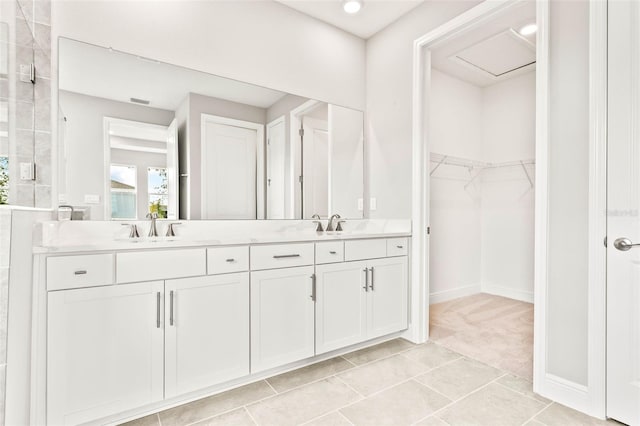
point(231, 260)
point(171, 307)
point(366, 279)
point(400, 247)
point(158, 310)
point(371, 286)
point(313, 287)
point(332, 252)
point(81, 272)
point(284, 256)
point(624, 244)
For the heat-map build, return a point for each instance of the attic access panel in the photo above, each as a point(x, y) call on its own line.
point(498, 55)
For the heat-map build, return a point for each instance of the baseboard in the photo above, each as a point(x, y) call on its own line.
point(524, 296)
point(568, 393)
point(454, 293)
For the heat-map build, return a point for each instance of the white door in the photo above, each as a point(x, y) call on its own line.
point(341, 298)
point(207, 331)
point(315, 155)
point(623, 221)
point(228, 171)
point(104, 351)
point(276, 165)
point(282, 317)
point(172, 170)
point(387, 307)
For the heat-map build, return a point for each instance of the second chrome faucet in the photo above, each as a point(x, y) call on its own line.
point(334, 224)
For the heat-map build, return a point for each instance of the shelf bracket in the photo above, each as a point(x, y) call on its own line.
point(526, 172)
point(437, 165)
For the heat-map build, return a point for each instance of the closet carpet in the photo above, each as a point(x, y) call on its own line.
point(492, 329)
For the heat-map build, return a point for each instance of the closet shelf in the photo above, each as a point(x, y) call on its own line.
point(479, 166)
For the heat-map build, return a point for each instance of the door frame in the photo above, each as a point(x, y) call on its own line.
point(260, 159)
point(269, 126)
point(590, 398)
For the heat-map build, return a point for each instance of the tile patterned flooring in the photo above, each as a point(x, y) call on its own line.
point(397, 383)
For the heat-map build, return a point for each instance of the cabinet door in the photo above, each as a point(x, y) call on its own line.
point(341, 298)
point(282, 317)
point(105, 351)
point(207, 331)
point(387, 307)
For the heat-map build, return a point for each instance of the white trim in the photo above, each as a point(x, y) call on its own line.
point(260, 177)
point(511, 293)
point(419, 323)
point(454, 293)
point(598, 109)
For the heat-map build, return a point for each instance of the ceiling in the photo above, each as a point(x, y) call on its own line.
point(374, 15)
point(104, 73)
point(492, 51)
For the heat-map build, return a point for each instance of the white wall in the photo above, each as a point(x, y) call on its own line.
point(260, 42)
point(508, 134)
point(389, 97)
point(83, 167)
point(455, 241)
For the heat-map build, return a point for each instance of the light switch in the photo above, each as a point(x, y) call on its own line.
point(360, 204)
point(27, 171)
point(373, 204)
point(91, 199)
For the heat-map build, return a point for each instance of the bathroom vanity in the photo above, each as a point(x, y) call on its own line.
point(124, 327)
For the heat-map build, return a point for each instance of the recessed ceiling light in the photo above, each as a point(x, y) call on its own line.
point(352, 6)
point(528, 29)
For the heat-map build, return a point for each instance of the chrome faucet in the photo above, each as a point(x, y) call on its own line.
point(333, 221)
point(133, 230)
point(317, 220)
point(153, 231)
point(170, 231)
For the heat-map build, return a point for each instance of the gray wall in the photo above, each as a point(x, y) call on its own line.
point(82, 168)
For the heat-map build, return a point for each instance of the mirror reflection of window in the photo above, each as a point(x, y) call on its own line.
point(158, 184)
point(123, 192)
point(4, 180)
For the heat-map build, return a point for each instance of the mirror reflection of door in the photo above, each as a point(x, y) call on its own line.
point(276, 163)
point(141, 173)
point(229, 175)
point(316, 167)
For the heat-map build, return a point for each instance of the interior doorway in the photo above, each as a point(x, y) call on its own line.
point(481, 177)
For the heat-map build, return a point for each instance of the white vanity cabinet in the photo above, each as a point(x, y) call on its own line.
point(361, 300)
point(282, 317)
point(104, 351)
point(207, 331)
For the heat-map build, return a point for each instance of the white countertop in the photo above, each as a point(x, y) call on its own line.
point(91, 236)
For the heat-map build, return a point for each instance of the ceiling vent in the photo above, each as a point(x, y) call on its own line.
point(498, 55)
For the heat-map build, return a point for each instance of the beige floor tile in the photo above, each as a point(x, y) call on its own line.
point(559, 415)
point(460, 377)
point(523, 386)
point(381, 374)
point(214, 405)
point(492, 405)
point(431, 421)
point(303, 404)
point(533, 423)
point(382, 350)
point(331, 419)
point(431, 355)
point(151, 420)
point(238, 417)
point(401, 405)
point(309, 374)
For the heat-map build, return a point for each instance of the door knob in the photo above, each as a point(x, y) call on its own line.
point(624, 244)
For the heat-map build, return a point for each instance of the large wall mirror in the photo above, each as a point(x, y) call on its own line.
point(137, 136)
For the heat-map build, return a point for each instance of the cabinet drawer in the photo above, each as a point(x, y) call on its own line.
point(397, 246)
point(281, 256)
point(365, 249)
point(160, 265)
point(79, 271)
point(223, 260)
point(329, 252)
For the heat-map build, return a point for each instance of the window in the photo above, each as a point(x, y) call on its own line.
point(157, 185)
point(4, 180)
point(123, 192)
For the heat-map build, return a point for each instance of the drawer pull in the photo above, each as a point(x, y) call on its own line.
point(171, 307)
point(400, 247)
point(158, 310)
point(231, 260)
point(313, 287)
point(82, 272)
point(332, 252)
point(284, 256)
point(371, 285)
point(366, 279)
